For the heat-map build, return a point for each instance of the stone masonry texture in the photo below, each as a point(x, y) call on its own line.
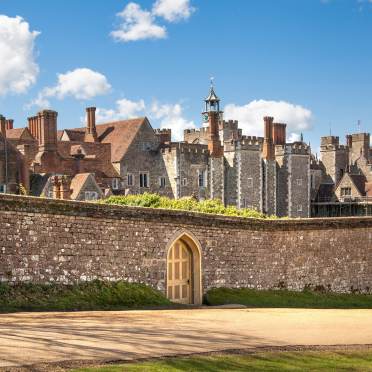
point(46, 241)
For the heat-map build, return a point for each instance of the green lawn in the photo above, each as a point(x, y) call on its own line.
point(94, 295)
point(273, 361)
point(284, 298)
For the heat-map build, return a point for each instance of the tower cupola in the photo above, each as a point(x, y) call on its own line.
point(212, 102)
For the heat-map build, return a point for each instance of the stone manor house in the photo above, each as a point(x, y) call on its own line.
point(215, 161)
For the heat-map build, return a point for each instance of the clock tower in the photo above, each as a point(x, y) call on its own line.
point(211, 119)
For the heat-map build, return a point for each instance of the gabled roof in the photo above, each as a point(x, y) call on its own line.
point(359, 181)
point(120, 134)
point(75, 135)
point(38, 183)
point(79, 181)
point(325, 192)
point(18, 134)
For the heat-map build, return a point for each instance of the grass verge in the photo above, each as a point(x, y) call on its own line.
point(285, 298)
point(95, 295)
point(269, 361)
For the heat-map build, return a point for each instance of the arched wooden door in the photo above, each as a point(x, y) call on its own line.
point(179, 283)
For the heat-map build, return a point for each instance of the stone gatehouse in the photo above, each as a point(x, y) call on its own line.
point(180, 253)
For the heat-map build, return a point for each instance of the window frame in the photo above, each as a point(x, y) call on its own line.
point(202, 175)
point(92, 195)
point(144, 180)
point(162, 182)
point(347, 188)
point(130, 176)
point(115, 184)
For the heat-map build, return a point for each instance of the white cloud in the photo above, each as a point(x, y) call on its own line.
point(171, 116)
point(293, 137)
point(138, 24)
point(125, 109)
point(173, 10)
point(81, 83)
point(251, 115)
point(18, 69)
point(164, 115)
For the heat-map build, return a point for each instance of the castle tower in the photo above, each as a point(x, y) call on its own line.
point(334, 158)
point(274, 134)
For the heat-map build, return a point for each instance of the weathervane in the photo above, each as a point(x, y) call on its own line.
point(212, 81)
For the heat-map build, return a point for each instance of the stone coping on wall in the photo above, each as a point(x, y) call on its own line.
point(27, 204)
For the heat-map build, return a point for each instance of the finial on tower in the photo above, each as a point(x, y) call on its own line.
point(212, 82)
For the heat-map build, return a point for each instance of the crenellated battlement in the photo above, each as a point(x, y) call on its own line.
point(163, 131)
point(247, 143)
point(252, 140)
point(296, 148)
point(232, 124)
point(334, 148)
point(196, 130)
point(184, 147)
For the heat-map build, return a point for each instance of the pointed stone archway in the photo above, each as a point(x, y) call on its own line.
point(184, 279)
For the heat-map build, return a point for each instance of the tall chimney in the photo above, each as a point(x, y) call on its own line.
point(268, 145)
point(349, 141)
point(2, 126)
point(9, 124)
point(91, 132)
point(214, 144)
point(279, 134)
point(47, 130)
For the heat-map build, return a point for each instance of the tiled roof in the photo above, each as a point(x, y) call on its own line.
point(325, 191)
point(78, 182)
point(120, 134)
point(76, 135)
point(16, 133)
point(359, 181)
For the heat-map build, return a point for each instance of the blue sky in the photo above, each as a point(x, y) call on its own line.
point(306, 62)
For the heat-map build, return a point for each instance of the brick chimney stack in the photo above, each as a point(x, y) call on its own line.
point(214, 144)
point(268, 145)
point(9, 124)
point(279, 134)
point(3, 126)
point(91, 131)
point(349, 141)
point(47, 130)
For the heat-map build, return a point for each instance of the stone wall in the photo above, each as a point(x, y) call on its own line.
point(57, 241)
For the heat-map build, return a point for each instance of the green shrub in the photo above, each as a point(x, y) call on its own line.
point(95, 295)
point(282, 298)
point(187, 204)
